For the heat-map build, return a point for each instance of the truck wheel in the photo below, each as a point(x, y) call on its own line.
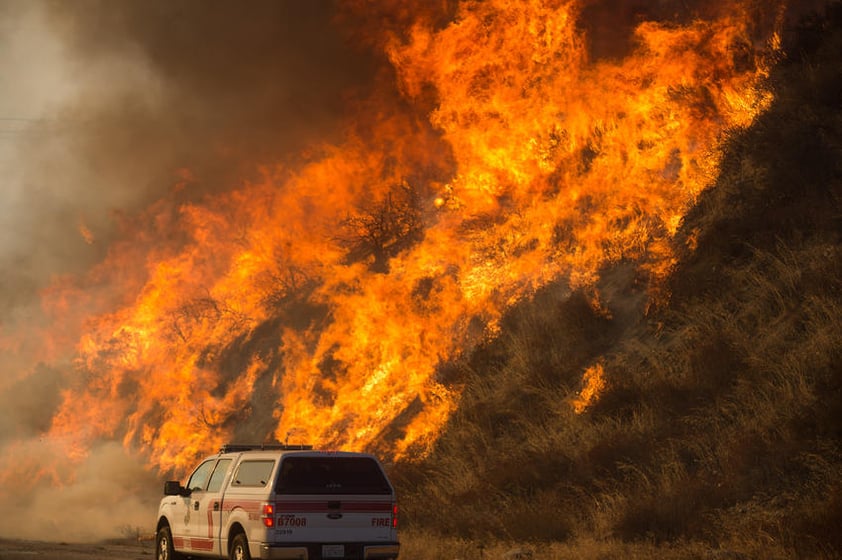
point(240, 548)
point(163, 545)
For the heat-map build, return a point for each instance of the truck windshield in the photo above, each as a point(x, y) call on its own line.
point(331, 475)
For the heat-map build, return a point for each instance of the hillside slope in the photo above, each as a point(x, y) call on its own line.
point(720, 419)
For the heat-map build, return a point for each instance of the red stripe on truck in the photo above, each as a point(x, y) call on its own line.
point(201, 544)
point(250, 506)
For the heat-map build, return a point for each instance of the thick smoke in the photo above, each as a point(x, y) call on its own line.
point(103, 101)
point(110, 495)
point(103, 105)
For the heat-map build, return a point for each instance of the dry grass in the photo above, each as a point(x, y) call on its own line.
point(426, 546)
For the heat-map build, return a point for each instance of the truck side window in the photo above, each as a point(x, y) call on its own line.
point(218, 475)
point(253, 473)
point(200, 476)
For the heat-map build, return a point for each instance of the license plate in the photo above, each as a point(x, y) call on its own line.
point(333, 550)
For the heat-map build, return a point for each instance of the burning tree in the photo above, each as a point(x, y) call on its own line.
point(381, 231)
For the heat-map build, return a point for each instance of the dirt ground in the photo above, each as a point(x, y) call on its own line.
point(30, 550)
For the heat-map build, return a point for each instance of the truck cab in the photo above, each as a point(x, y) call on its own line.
point(279, 501)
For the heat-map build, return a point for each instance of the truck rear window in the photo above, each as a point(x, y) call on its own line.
point(331, 475)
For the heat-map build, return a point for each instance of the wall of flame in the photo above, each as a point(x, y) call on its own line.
point(317, 303)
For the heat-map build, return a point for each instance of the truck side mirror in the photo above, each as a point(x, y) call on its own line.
point(174, 488)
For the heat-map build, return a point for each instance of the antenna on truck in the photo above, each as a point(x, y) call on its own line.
point(237, 447)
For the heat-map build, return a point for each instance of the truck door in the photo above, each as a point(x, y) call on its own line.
point(183, 513)
point(206, 511)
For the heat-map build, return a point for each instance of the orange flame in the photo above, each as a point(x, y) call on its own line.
point(86, 233)
point(333, 289)
point(593, 381)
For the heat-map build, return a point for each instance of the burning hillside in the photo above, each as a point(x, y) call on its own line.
point(499, 146)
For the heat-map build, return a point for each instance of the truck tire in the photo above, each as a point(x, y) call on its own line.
point(163, 545)
point(240, 548)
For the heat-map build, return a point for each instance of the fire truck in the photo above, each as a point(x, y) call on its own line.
point(280, 501)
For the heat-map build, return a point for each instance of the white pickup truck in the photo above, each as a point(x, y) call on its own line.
point(280, 501)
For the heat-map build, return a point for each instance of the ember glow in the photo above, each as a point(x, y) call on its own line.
point(502, 151)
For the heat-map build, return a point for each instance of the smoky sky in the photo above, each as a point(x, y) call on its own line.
point(102, 102)
point(258, 76)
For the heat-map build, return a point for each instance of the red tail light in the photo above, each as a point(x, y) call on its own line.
point(268, 516)
point(394, 516)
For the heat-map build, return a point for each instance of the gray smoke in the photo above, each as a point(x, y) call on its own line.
point(110, 495)
point(101, 102)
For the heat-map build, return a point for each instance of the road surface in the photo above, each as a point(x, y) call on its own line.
point(34, 550)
